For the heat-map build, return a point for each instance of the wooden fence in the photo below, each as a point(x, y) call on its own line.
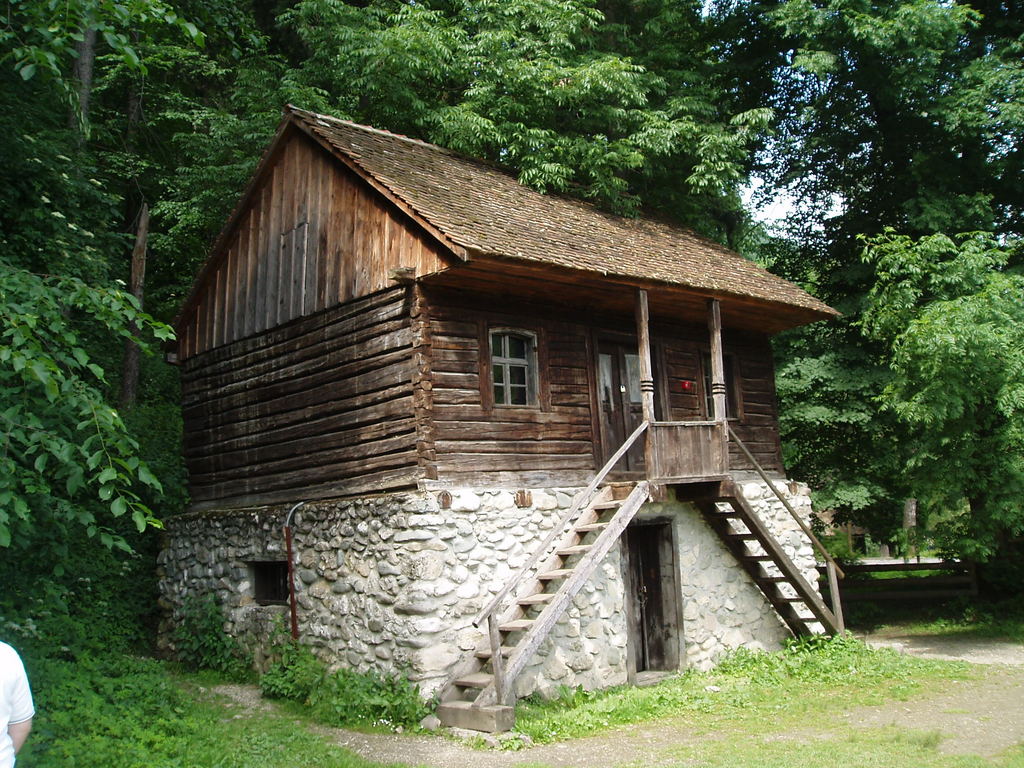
point(951, 578)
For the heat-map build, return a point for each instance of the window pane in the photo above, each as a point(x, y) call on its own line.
point(517, 375)
point(498, 373)
point(496, 349)
point(605, 379)
point(518, 395)
point(499, 395)
point(516, 347)
point(633, 378)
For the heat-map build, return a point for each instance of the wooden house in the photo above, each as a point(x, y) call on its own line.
point(515, 441)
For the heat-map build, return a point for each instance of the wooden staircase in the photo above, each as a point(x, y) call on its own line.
point(730, 515)
point(480, 695)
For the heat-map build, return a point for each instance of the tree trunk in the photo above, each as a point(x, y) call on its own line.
point(82, 74)
point(130, 366)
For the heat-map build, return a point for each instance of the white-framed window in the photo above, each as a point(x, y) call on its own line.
point(513, 366)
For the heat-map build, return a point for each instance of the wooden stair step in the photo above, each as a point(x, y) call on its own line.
point(577, 549)
point(560, 573)
point(485, 653)
point(613, 504)
point(741, 536)
point(760, 558)
point(773, 579)
point(474, 680)
point(537, 599)
point(516, 625)
point(590, 527)
point(489, 719)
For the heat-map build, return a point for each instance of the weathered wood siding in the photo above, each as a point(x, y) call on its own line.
point(308, 236)
point(757, 423)
point(476, 442)
point(320, 407)
point(555, 442)
point(758, 426)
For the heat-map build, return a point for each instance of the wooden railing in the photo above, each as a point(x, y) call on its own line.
point(489, 612)
point(687, 450)
point(831, 566)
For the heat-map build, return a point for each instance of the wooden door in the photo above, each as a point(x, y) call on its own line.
point(618, 382)
point(654, 637)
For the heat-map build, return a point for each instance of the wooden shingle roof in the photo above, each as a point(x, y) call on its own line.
point(486, 211)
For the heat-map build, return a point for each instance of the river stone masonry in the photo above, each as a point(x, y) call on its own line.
point(390, 583)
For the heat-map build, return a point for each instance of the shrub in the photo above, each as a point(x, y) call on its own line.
point(200, 641)
point(346, 697)
point(294, 675)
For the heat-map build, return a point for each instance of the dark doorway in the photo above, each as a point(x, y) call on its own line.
point(654, 618)
point(618, 383)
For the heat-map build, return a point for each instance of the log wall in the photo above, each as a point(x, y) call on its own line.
point(477, 443)
point(309, 235)
point(556, 441)
point(317, 408)
point(753, 390)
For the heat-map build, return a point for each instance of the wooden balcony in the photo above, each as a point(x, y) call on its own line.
point(687, 451)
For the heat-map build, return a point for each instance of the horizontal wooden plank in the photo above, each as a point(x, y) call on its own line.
point(304, 421)
point(296, 388)
point(324, 392)
point(235, 496)
point(505, 447)
point(319, 441)
point(388, 303)
point(313, 354)
point(352, 457)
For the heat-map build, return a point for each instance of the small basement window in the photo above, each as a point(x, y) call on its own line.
point(514, 367)
point(269, 582)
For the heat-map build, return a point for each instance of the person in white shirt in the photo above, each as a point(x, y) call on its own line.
point(16, 710)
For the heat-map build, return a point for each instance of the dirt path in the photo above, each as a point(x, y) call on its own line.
point(981, 716)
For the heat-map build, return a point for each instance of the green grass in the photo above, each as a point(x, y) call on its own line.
point(117, 711)
point(996, 620)
point(805, 683)
point(868, 748)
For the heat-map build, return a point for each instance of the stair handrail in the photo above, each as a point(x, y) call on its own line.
point(833, 569)
point(581, 500)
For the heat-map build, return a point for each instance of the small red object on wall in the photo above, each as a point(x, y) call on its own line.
point(686, 385)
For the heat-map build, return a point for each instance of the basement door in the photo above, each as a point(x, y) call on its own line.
point(654, 618)
point(618, 383)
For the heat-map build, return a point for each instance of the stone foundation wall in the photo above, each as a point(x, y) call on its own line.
point(391, 583)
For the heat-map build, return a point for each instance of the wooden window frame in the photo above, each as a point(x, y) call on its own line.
point(532, 365)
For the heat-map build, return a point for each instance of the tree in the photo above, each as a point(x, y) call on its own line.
point(623, 111)
point(61, 441)
point(889, 114)
point(67, 459)
point(950, 310)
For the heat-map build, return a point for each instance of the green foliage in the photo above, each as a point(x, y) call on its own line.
point(294, 675)
point(343, 697)
point(61, 441)
point(950, 311)
point(346, 697)
point(201, 642)
point(567, 97)
point(42, 36)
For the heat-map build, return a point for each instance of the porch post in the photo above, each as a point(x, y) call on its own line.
point(643, 333)
point(717, 360)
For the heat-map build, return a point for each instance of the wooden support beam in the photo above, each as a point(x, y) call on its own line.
point(718, 388)
point(643, 334)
